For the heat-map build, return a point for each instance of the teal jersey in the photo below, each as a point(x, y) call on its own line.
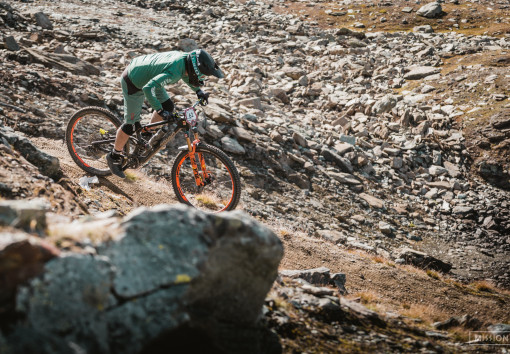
point(152, 72)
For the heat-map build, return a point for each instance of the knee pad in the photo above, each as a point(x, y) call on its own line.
point(168, 105)
point(129, 129)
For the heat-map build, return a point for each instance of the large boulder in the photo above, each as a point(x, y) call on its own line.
point(172, 273)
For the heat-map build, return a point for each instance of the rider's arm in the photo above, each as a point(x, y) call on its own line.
point(157, 82)
point(186, 80)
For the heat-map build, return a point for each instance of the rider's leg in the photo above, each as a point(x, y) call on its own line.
point(120, 140)
point(132, 109)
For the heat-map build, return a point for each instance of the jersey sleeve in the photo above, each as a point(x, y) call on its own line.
point(157, 82)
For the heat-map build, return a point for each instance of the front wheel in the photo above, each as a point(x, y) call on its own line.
point(222, 188)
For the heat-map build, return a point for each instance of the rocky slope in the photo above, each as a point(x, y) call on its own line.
point(368, 140)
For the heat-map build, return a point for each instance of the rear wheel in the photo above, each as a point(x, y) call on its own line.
point(90, 135)
point(223, 185)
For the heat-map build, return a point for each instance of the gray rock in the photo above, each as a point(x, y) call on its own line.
point(25, 214)
point(300, 180)
point(48, 165)
point(293, 72)
point(427, 89)
point(231, 145)
point(361, 311)
point(187, 44)
point(275, 136)
point(420, 72)
point(348, 32)
point(385, 228)
point(501, 120)
point(11, 44)
point(303, 81)
point(63, 62)
point(431, 10)
point(431, 194)
point(423, 260)
point(449, 323)
point(348, 139)
point(345, 178)
point(339, 280)
point(214, 131)
point(424, 29)
point(170, 266)
point(453, 170)
point(242, 134)
point(385, 104)
point(299, 139)
point(356, 43)
point(372, 201)
point(219, 114)
point(361, 246)
point(280, 94)
point(332, 236)
point(71, 298)
point(437, 170)
point(462, 210)
point(251, 103)
point(344, 148)
point(344, 164)
point(397, 162)
point(499, 329)
point(318, 276)
point(338, 13)
point(43, 21)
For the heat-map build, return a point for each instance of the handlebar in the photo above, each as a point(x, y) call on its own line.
point(198, 102)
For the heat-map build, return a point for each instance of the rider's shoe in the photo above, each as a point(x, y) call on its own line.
point(115, 165)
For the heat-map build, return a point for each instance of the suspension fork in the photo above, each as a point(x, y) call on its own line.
point(199, 180)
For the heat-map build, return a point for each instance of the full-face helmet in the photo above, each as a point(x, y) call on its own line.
point(199, 63)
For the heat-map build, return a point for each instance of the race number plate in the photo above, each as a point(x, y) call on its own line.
point(191, 116)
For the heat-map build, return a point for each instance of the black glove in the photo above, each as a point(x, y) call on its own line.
point(165, 114)
point(203, 96)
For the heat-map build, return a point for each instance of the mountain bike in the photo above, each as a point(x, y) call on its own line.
point(202, 175)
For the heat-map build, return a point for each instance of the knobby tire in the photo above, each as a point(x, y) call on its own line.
point(70, 136)
point(177, 176)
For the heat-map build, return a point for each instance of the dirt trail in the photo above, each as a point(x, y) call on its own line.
point(111, 192)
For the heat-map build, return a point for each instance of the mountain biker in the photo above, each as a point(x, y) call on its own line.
point(144, 78)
